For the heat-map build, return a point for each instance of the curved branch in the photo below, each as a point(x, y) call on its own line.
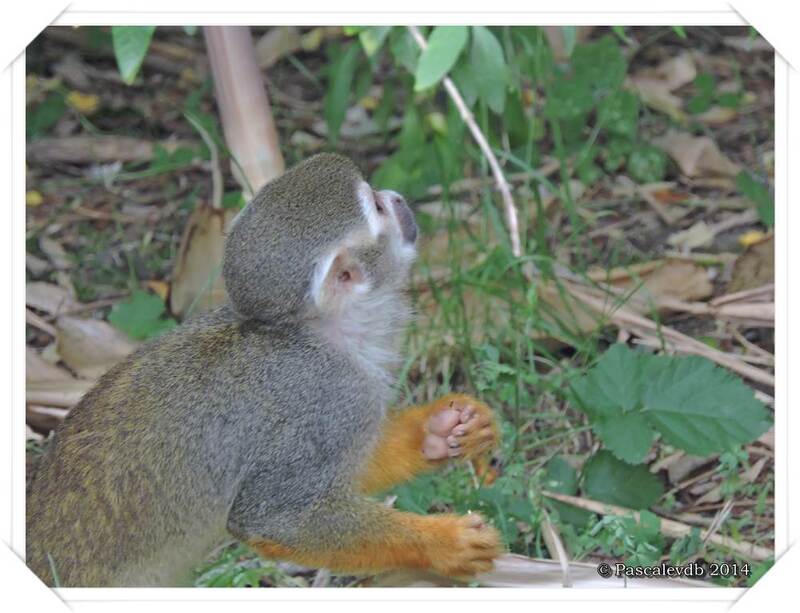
point(480, 139)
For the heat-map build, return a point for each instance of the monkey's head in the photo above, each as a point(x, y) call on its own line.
point(317, 240)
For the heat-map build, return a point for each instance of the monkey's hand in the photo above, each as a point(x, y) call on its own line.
point(459, 427)
point(421, 438)
point(461, 546)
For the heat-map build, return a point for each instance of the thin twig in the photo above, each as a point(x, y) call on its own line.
point(480, 139)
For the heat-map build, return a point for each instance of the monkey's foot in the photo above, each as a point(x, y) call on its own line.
point(462, 546)
point(463, 428)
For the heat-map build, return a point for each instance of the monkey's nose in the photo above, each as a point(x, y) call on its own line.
point(404, 216)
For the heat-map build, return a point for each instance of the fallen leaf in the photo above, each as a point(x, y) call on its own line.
point(83, 103)
point(197, 283)
point(655, 86)
point(677, 71)
point(699, 235)
point(754, 268)
point(748, 43)
point(33, 198)
point(717, 115)
point(159, 288)
point(751, 238)
point(55, 253)
point(57, 393)
point(696, 155)
point(679, 279)
point(48, 297)
point(90, 346)
point(39, 369)
point(37, 266)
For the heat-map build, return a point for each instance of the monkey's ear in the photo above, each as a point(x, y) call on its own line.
point(338, 277)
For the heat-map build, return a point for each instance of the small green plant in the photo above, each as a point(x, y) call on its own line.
point(141, 316)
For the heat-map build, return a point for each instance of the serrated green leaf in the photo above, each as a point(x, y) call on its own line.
point(628, 436)
point(444, 46)
point(489, 67)
point(608, 479)
point(141, 316)
point(647, 164)
point(337, 98)
point(702, 408)
point(568, 99)
point(130, 47)
point(614, 384)
point(619, 114)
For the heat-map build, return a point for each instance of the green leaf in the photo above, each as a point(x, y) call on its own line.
point(489, 68)
point(614, 384)
point(619, 114)
point(756, 190)
point(568, 99)
point(561, 478)
point(39, 120)
point(340, 82)
point(372, 38)
point(130, 47)
point(608, 479)
point(701, 408)
point(140, 317)
point(569, 34)
point(646, 164)
point(601, 65)
point(629, 437)
point(444, 46)
point(404, 49)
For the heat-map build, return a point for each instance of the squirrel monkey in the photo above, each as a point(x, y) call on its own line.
point(266, 418)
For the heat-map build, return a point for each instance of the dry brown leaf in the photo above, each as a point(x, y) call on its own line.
point(657, 95)
point(699, 235)
point(680, 469)
point(677, 71)
point(655, 86)
point(55, 253)
point(718, 115)
point(275, 44)
point(674, 279)
point(197, 282)
point(39, 369)
point(748, 43)
point(755, 267)
point(56, 393)
point(696, 155)
point(91, 346)
point(48, 297)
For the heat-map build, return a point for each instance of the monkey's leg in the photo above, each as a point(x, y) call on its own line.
point(421, 438)
point(370, 539)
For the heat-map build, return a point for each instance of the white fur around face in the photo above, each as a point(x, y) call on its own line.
point(366, 198)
